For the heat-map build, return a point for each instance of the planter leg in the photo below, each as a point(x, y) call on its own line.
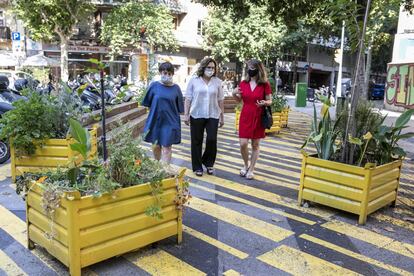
point(362, 219)
point(30, 245)
point(393, 204)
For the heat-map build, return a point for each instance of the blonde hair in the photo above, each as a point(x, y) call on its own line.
point(256, 64)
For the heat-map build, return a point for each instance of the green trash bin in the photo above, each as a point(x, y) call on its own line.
point(301, 90)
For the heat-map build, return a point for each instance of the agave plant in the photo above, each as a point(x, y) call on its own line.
point(323, 133)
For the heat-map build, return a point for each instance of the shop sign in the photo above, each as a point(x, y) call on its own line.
point(399, 89)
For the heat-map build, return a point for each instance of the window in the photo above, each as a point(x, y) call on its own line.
point(5, 33)
point(1, 14)
point(175, 22)
point(201, 27)
point(1, 22)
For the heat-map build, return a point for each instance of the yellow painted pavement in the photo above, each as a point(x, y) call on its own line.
point(297, 262)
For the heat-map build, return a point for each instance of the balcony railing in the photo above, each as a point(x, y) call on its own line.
point(175, 6)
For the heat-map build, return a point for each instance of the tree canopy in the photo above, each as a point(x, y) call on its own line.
point(256, 35)
point(134, 22)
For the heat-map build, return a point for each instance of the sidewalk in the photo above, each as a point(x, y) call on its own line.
point(407, 145)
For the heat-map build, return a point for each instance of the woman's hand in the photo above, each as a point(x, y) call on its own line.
point(187, 119)
point(261, 103)
point(236, 92)
point(221, 122)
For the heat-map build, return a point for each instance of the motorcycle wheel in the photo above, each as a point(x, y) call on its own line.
point(4, 152)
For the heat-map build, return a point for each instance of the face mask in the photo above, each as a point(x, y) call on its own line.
point(166, 79)
point(252, 73)
point(209, 72)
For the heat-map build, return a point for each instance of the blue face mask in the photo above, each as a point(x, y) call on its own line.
point(166, 79)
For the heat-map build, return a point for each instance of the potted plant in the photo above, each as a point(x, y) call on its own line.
point(38, 132)
point(280, 113)
point(96, 210)
point(360, 185)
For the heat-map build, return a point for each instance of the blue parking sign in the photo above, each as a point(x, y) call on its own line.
point(16, 36)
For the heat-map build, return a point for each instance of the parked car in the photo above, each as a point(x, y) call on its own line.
point(13, 76)
point(376, 91)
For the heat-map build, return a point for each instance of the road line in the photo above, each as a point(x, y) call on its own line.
point(355, 255)
point(296, 262)
point(9, 266)
point(220, 245)
point(254, 204)
point(253, 225)
point(231, 272)
point(160, 262)
point(371, 237)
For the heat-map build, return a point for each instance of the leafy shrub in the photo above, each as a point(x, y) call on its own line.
point(279, 102)
point(39, 118)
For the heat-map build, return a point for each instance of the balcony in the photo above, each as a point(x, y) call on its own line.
point(175, 6)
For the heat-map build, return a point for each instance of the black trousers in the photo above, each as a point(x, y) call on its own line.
point(207, 158)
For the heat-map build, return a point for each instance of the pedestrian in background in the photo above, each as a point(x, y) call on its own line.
point(204, 109)
point(163, 125)
point(255, 92)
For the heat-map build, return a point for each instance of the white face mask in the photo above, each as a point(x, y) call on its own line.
point(166, 79)
point(209, 72)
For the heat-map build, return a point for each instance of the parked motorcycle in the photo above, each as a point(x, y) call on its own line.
point(5, 106)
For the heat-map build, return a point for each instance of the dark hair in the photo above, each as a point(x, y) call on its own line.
point(203, 64)
point(166, 66)
point(256, 64)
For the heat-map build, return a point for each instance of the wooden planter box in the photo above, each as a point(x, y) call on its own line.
point(277, 122)
point(285, 117)
point(54, 153)
point(89, 229)
point(358, 190)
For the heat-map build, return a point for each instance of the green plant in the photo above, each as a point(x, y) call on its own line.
point(239, 106)
point(386, 139)
point(323, 133)
point(39, 118)
point(279, 102)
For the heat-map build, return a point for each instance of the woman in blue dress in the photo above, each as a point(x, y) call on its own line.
point(165, 102)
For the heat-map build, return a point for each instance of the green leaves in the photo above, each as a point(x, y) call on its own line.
point(82, 136)
point(404, 118)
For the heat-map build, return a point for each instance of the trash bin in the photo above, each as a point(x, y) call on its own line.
point(311, 94)
point(301, 93)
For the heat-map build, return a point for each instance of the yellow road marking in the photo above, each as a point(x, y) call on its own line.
point(300, 263)
point(231, 272)
point(254, 204)
point(9, 266)
point(264, 195)
point(220, 245)
point(253, 225)
point(395, 221)
point(371, 237)
point(355, 255)
point(159, 262)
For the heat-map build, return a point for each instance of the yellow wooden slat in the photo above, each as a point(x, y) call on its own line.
point(253, 225)
point(254, 204)
point(333, 188)
point(355, 255)
point(9, 266)
point(334, 176)
point(161, 263)
point(296, 262)
point(220, 245)
point(371, 237)
point(43, 223)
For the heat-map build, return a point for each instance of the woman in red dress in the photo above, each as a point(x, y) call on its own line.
point(255, 92)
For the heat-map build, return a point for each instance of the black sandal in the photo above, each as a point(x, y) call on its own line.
point(210, 170)
point(199, 173)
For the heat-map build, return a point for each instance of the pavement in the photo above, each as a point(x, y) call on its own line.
point(234, 226)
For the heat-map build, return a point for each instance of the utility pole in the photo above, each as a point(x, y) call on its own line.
point(340, 101)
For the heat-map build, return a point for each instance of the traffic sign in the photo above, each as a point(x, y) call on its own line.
point(16, 36)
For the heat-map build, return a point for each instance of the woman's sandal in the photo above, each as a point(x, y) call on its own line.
point(243, 172)
point(210, 170)
point(249, 176)
point(199, 173)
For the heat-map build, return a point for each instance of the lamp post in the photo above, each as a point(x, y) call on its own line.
point(103, 114)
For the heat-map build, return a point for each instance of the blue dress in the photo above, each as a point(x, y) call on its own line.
point(163, 125)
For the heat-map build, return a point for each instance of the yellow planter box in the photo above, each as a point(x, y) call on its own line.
point(89, 229)
point(285, 117)
point(358, 190)
point(277, 122)
point(54, 153)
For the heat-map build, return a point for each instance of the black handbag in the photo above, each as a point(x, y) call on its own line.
point(267, 118)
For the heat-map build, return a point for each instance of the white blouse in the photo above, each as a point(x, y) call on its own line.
point(205, 97)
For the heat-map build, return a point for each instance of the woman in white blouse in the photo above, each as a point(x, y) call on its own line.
point(203, 111)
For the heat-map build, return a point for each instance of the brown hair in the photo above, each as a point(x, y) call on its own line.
point(256, 64)
point(203, 64)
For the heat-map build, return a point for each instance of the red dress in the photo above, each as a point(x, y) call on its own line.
point(250, 125)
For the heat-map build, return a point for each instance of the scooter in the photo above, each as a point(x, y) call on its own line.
point(5, 106)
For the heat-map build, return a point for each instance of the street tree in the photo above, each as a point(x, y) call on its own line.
point(254, 36)
point(51, 19)
point(133, 23)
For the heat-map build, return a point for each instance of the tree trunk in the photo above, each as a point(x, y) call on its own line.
point(368, 72)
point(64, 67)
